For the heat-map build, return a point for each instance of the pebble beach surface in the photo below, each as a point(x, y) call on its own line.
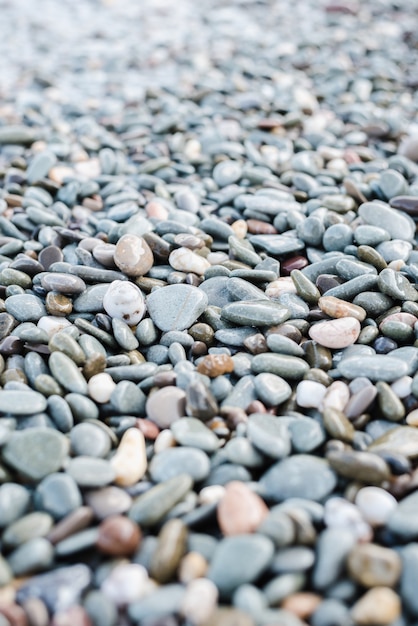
point(208, 313)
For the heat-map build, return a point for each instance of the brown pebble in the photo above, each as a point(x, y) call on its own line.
point(258, 227)
point(214, 365)
point(70, 524)
point(147, 428)
point(36, 612)
point(256, 407)
point(58, 304)
point(227, 616)
point(377, 607)
point(74, 616)
point(171, 546)
point(302, 603)
point(372, 565)
point(193, 565)
point(108, 501)
point(118, 536)
point(94, 365)
point(294, 263)
point(256, 344)
point(133, 255)
point(240, 510)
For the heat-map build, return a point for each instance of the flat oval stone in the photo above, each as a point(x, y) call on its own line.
point(269, 434)
point(25, 307)
point(108, 501)
point(399, 440)
point(238, 560)
point(290, 367)
point(397, 286)
point(58, 495)
point(299, 476)
point(22, 402)
point(336, 334)
point(375, 367)
point(33, 556)
point(407, 204)
point(133, 255)
point(362, 466)
point(91, 472)
point(380, 605)
point(36, 452)
point(277, 244)
point(63, 283)
point(89, 439)
point(66, 372)
point(91, 299)
point(176, 461)
point(149, 508)
point(176, 307)
point(28, 527)
point(333, 547)
point(375, 504)
point(171, 547)
point(335, 307)
point(395, 222)
point(190, 431)
point(14, 502)
point(185, 260)
point(249, 313)
point(272, 389)
point(166, 405)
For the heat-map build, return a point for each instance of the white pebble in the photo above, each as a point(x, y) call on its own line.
point(309, 394)
point(52, 324)
point(126, 583)
point(100, 387)
point(199, 601)
point(375, 505)
point(164, 440)
point(211, 494)
point(337, 396)
point(340, 513)
point(402, 386)
point(279, 286)
point(125, 301)
point(185, 260)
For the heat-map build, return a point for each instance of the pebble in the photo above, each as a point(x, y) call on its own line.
point(125, 584)
point(14, 502)
point(166, 405)
point(380, 606)
point(336, 334)
point(189, 431)
point(108, 501)
point(174, 461)
point(240, 510)
point(269, 434)
point(396, 223)
point(372, 565)
point(88, 471)
point(170, 548)
point(133, 256)
point(272, 389)
point(150, 508)
point(118, 536)
point(403, 520)
point(199, 601)
point(310, 394)
point(376, 367)
point(176, 307)
point(249, 313)
point(125, 301)
point(21, 403)
point(130, 461)
point(58, 494)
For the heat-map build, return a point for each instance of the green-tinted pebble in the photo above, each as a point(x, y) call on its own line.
point(149, 508)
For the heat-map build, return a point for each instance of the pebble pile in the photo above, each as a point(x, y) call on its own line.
point(208, 313)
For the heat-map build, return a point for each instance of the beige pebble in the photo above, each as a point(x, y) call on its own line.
point(279, 286)
point(240, 228)
point(130, 460)
point(105, 254)
point(372, 565)
point(335, 307)
point(59, 173)
point(336, 396)
point(185, 260)
point(336, 334)
point(193, 565)
point(133, 255)
point(412, 418)
point(377, 607)
point(199, 601)
point(302, 603)
point(212, 493)
point(157, 210)
point(126, 583)
point(89, 169)
point(397, 265)
point(100, 387)
point(240, 510)
point(165, 439)
point(405, 318)
point(166, 405)
point(375, 504)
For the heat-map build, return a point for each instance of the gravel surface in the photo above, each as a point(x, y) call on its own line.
point(208, 313)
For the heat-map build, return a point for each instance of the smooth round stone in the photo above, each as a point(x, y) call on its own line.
point(81, 407)
point(90, 472)
point(292, 560)
point(373, 303)
point(108, 501)
point(271, 389)
point(176, 307)
point(336, 334)
point(126, 583)
point(89, 440)
point(309, 394)
point(239, 560)
point(91, 300)
point(306, 434)
point(176, 461)
point(332, 549)
point(269, 435)
point(125, 301)
point(25, 307)
point(367, 235)
point(58, 494)
point(154, 504)
point(240, 510)
point(392, 184)
point(127, 398)
point(337, 237)
point(33, 556)
point(408, 204)
point(375, 367)
point(380, 605)
point(286, 366)
point(40, 166)
point(66, 372)
point(335, 307)
point(283, 345)
point(397, 286)
point(189, 431)
point(14, 502)
point(166, 405)
point(337, 425)
point(217, 290)
point(118, 536)
point(133, 255)
point(403, 521)
point(22, 402)
point(362, 466)
point(372, 565)
point(200, 601)
point(390, 405)
point(395, 250)
point(26, 528)
point(299, 476)
point(124, 335)
point(401, 440)
point(170, 548)
point(240, 450)
point(397, 224)
point(59, 589)
point(185, 260)
point(226, 173)
point(240, 289)
point(63, 283)
point(36, 452)
point(130, 460)
point(330, 611)
point(100, 387)
point(63, 342)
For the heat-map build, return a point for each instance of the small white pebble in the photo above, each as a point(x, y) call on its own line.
point(164, 440)
point(125, 301)
point(402, 386)
point(375, 504)
point(309, 394)
point(337, 396)
point(211, 494)
point(279, 286)
point(185, 260)
point(199, 601)
point(340, 513)
point(100, 387)
point(126, 583)
point(52, 324)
